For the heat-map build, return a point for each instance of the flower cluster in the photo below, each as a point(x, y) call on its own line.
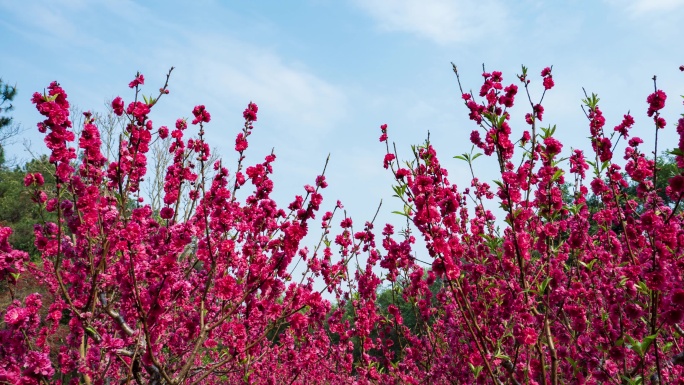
point(582, 285)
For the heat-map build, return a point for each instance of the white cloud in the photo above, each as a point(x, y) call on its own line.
point(48, 24)
point(229, 70)
point(442, 21)
point(637, 7)
point(213, 67)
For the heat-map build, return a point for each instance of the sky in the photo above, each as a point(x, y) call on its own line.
point(327, 73)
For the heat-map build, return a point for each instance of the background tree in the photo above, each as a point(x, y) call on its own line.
point(666, 168)
point(17, 209)
point(7, 127)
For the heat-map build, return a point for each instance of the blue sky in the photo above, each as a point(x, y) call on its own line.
point(326, 73)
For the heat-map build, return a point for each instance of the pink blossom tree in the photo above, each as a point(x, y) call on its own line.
point(564, 294)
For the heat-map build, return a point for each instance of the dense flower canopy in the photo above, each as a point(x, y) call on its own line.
point(579, 287)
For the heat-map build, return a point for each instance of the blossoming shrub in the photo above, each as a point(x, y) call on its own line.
point(563, 294)
point(550, 299)
point(151, 298)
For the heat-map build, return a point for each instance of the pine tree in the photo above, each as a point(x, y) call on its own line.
point(7, 127)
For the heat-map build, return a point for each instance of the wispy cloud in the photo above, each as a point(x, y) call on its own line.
point(442, 21)
point(639, 7)
point(228, 70)
point(213, 66)
point(47, 23)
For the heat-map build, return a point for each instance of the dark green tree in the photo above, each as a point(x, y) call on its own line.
point(7, 127)
point(17, 209)
point(7, 94)
point(392, 294)
point(666, 168)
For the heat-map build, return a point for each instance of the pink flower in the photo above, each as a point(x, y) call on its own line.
point(678, 297)
point(240, 143)
point(138, 109)
point(346, 223)
point(383, 137)
point(240, 178)
point(118, 106)
point(529, 336)
point(388, 160)
point(40, 197)
point(674, 316)
point(677, 183)
point(548, 79)
point(578, 164)
point(298, 322)
point(402, 172)
point(181, 124)
point(635, 141)
point(39, 364)
point(163, 132)
point(475, 138)
point(538, 111)
point(320, 181)
point(28, 180)
point(166, 213)
point(656, 102)
point(201, 115)
point(625, 125)
point(15, 316)
point(525, 137)
point(250, 113)
point(139, 80)
point(553, 146)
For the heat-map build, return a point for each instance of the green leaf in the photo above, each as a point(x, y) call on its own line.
point(542, 287)
point(398, 191)
point(591, 101)
point(676, 152)
point(50, 98)
point(552, 129)
point(91, 330)
point(589, 265)
point(605, 165)
point(636, 381)
point(646, 343)
point(557, 174)
point(634, 345)
point(501, 121)
point(640, 347)
point(475, 369)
